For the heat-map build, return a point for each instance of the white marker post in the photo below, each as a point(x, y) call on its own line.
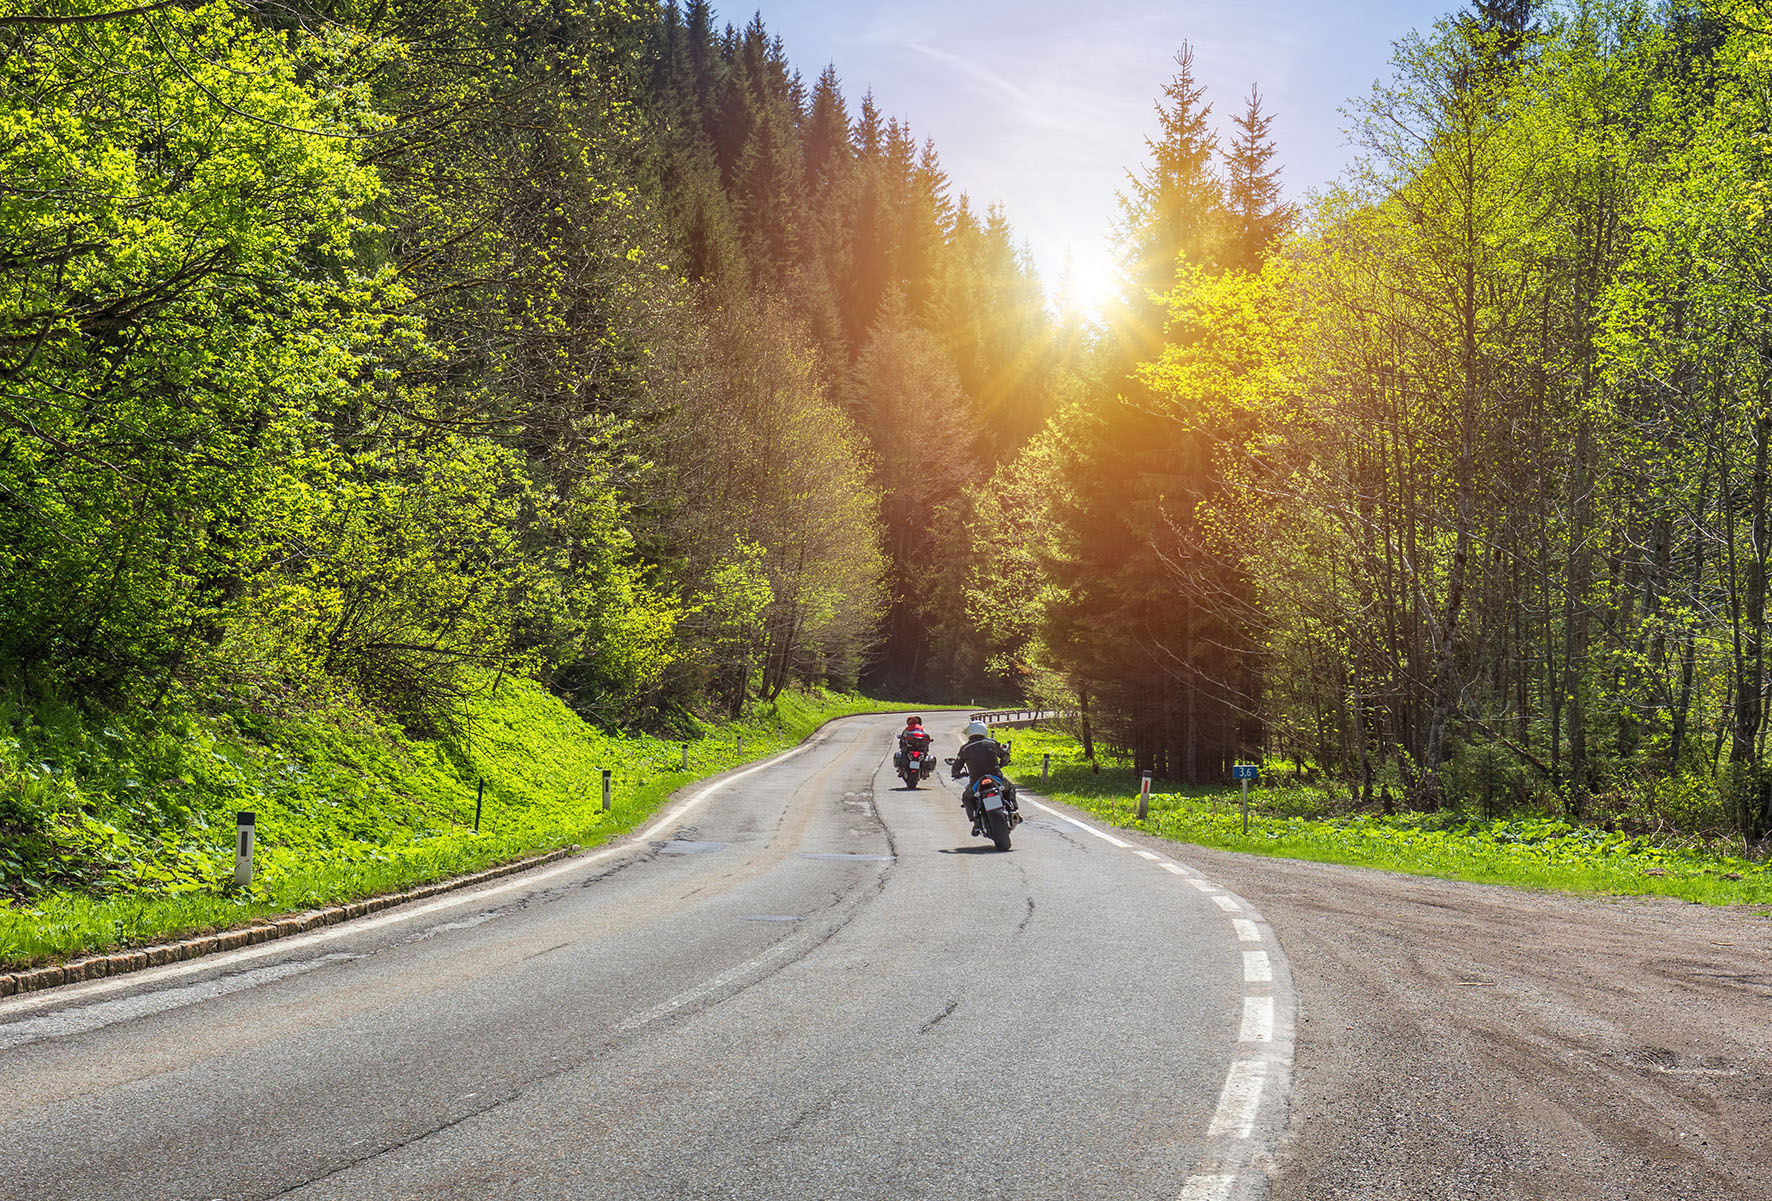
point(1144, 796)
point(741, 744)
point(1045, 767)
point(685, 756)
point(1243, 773)
point(606, 790)
point(246, 824)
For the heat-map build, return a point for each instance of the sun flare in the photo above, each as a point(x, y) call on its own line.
point(1087, 286)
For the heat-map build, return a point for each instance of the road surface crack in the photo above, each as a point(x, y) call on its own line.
point(939, 1018)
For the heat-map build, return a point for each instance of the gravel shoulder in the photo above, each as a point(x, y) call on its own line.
point(1472, 1041)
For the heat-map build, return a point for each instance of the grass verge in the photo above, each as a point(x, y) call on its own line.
point(1543, 853)
point(130, 837)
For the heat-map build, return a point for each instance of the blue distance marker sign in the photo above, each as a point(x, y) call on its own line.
point(1245, 771)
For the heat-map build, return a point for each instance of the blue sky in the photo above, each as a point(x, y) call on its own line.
point(1043, 105)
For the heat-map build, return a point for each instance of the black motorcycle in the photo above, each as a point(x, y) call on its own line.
point(914, 763)
point(992, 808)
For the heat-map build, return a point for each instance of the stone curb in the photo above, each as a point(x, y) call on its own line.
point(96, 966)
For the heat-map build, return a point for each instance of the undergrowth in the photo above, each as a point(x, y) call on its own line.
point(116, 832)
point(1292, 822)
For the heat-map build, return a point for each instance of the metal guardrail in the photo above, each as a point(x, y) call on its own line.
point(1011, 716)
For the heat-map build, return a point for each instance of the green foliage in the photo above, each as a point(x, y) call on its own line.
point(1536, 852)
point(122, 830)
point(180, 313)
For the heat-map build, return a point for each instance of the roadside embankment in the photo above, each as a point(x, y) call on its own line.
point(115, 835)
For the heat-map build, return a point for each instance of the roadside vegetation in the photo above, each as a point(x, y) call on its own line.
point(1452, 480)
point(384, 385)
point(116, 832)
point(1297, 820)
point(394, 396)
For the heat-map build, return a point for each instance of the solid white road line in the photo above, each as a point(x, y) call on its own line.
point(281, 946)
point(1256, 968)
point(1239, 1100)
point(81, 1018)
point(1227, 904)
point(1083, 826)
point(1207, 1188)
point(1258, 1020)
point(1246, 931)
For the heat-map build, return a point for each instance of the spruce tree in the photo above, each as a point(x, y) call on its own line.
point(1174, 208)
point(1258, 215)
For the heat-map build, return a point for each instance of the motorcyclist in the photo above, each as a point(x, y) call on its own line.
point(912, 737)
point(981, 755)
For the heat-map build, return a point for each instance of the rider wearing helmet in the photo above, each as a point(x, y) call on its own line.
point(982, 755)
point(912, 738)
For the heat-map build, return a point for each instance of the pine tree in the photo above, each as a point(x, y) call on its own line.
point(1258, 216)
point(1172, 204)
point(1510, 22)
point(1174, 208)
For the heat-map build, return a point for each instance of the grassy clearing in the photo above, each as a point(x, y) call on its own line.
point(112, 836)
point(1289, 822)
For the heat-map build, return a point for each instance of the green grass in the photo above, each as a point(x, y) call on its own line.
point(1534, 852)
point(113, 835)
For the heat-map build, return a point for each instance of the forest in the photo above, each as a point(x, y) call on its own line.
point(387, 347)
point(389, 350)
point(1451, 484)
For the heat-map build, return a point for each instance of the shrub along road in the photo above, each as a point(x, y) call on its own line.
point(811, 983)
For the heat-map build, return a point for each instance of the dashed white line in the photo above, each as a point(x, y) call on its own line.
point(1258, 1020)
point(709, 987)
point(1207, 1188)
point(1239, 1100)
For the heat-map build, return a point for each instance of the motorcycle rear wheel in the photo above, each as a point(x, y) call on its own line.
point(996, 824)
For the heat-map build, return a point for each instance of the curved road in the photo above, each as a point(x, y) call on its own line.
point(802, 981)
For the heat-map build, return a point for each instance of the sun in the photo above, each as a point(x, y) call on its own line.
point(1087, 286)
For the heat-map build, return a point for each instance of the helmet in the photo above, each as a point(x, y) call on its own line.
point(913, 721)
point(977, 729)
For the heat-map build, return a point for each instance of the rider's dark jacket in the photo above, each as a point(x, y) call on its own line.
point(981, 755)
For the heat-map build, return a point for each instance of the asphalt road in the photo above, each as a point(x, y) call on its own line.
point(1467, 1042)
point(803, 982)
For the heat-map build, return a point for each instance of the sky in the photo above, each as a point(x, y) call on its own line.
point(1044, 105)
